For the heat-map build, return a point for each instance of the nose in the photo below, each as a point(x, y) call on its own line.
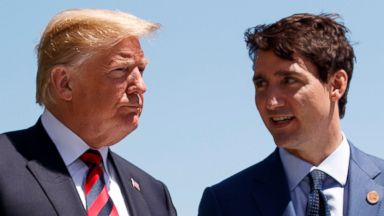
point(136, 82)
point(273, 103)
point(274, 100)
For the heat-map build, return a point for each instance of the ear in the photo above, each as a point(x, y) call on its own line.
point(61, 82)
point(338, 84)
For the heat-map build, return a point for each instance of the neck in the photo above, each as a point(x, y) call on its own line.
point(89, 133)
point(317, 149)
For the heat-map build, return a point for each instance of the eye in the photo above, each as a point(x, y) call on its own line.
point(289, 80)
point(141, 69)
point(259, 83)
point(118, 72)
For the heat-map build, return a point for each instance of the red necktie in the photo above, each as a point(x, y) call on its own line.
point(96, 194)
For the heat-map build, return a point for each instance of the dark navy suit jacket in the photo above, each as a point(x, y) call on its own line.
point(262, 189)
point(35, 181)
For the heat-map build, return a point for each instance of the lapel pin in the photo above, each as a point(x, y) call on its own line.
point(373, 197)
point(135, 184)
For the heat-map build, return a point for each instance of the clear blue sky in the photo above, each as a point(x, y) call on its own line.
point(199, 124)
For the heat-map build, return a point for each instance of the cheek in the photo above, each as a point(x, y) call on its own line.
point(260, 97)
point(306, 95)
point(120, 93)
point(317, 102)
point(259, 101)
point(105, 97)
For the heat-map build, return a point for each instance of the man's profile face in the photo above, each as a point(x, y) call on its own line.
point(108, 92)
point(293, 103)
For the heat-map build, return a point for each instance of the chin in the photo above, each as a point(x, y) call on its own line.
point(130, 118)
point(130, 126)
point(126, 124)
point(283, 142)
point(125, 131)
point(133, 122)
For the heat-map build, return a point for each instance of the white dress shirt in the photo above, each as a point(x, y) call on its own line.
point(71, 147)
point(335, 166)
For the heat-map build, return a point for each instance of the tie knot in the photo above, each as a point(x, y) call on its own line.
point(91, 157)
point(317, 178)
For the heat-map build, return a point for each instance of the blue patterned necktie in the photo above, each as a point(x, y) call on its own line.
point(317, 203)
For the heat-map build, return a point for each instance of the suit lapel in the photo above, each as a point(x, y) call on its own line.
point(59, 189)
point(361, 175)
point(130, 188)
point(271, 191)
point(48, 168)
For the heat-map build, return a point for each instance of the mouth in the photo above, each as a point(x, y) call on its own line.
point(134, 103)
point(282, 120)
point(133, 108)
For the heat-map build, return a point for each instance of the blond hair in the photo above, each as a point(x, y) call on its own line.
point(74, 35)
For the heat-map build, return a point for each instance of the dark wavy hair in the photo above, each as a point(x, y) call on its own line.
point(319, 38)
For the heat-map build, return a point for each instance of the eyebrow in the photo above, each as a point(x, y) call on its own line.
point(128, 61)
point(287, 73)
point(279, 73)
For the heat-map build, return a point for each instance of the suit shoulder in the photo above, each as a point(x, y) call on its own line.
point(241, 180)
point(369, 164)
point(10, 142)
point(379, 162)
point(26, 142)
point(18, 137)
point(12, 136)
point(235, 195)
point(359, 156)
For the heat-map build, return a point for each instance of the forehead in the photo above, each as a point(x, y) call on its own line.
point(126, 51)
point(268, 63)
point(128, 47)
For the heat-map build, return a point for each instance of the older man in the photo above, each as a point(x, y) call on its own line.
point(303, 66)
point(89, 78)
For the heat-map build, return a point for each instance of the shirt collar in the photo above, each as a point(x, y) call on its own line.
point(69, 145)
point(335, 165)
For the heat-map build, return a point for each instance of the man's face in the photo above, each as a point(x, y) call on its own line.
point(108, 93)
point(293, 103)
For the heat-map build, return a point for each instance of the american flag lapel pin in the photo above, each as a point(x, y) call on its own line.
point(135, 184)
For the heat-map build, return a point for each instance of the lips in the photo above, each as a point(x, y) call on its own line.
point(131, 109)
point(134, 101)
point(132, 106)
point(281, 121)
